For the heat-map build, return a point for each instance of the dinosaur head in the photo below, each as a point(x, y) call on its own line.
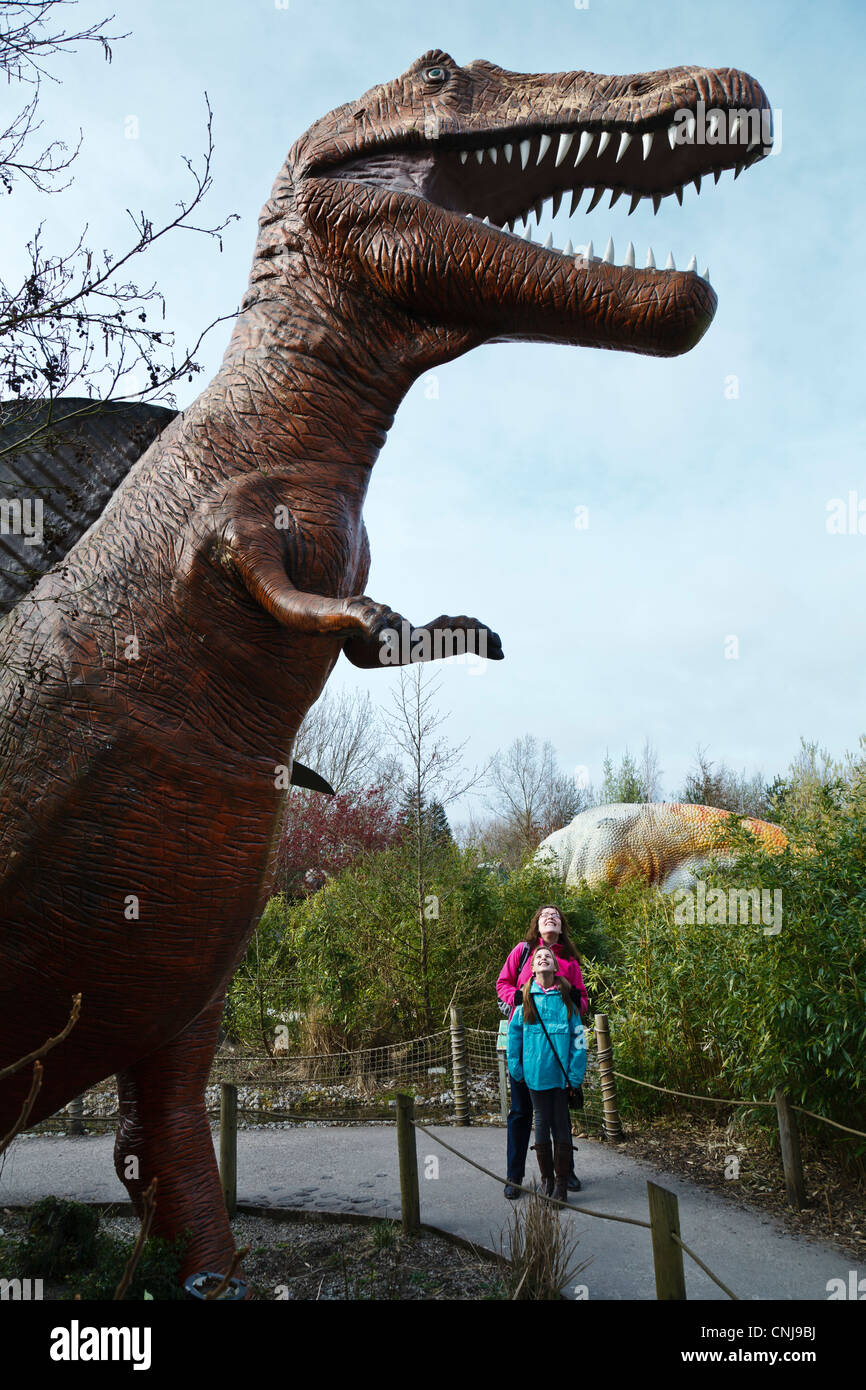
point(412, 192)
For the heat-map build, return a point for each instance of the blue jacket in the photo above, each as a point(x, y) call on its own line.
point(530, 1055)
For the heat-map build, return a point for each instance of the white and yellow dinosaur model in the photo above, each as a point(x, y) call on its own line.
point(665, 843)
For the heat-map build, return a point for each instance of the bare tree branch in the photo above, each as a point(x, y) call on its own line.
point(75, 316)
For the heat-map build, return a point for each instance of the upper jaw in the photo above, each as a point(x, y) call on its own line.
point(505, 174)
point(469, 170)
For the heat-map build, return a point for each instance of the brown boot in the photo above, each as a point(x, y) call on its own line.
point(562, 1168)
point(544, 1154)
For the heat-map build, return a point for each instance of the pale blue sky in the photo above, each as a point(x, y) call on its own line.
point(707, 514)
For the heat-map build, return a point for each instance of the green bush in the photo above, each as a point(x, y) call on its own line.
point(366, 966)
point(720, 1010)
point(735, 1010)
point(156, 1274)
point(61, 1239)
point(63, 1242)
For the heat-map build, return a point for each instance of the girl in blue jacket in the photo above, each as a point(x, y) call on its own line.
point(544, 1062)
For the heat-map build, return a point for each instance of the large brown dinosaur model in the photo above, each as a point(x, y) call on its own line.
point(154, 680)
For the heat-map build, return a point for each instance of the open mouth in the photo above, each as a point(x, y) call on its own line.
point(499, 178)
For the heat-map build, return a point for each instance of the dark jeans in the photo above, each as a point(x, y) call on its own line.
point(552, 1121)
point(520, 1128)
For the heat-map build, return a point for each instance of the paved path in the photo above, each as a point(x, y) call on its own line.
point(352, 1168)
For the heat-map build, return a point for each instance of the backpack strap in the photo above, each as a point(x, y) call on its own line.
point(524, 956)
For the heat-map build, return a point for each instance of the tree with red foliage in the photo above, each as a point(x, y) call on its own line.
point(323, 835)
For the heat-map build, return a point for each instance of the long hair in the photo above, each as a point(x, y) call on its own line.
point(566, 945)
point(530, 1013)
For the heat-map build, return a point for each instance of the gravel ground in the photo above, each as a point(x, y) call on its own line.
point(329, 1260)
point(326, 1261)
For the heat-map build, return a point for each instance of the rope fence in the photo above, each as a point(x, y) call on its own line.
point(456, 1070)
point(663, 1222)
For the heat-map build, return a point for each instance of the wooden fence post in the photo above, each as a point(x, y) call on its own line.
point(604, 1053)
point(458, 1062)
point(75, 1112)
point(503, 1086)
point(667, 1255)
point(407, 1154)
point(229, 1146)
point(792, 1163)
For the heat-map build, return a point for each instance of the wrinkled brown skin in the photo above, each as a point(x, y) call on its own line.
point(154, 776)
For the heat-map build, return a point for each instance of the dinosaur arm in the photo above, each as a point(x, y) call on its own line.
point(265, 577)
point(359, 619)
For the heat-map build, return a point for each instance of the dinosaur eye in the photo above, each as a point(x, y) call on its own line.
point(436, 75)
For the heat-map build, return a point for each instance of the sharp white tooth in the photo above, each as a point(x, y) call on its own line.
point(615, 196)
point(527, 235)
point(576, 196)
point(548, 241)
point(588, 252)
point(609, 252)
point(596, 197)
point(650, 262)
point(697, 182)
point(568, 249)
point(715, 126)
point(479, 155)
point(693, 264)
point(624, 142)
point(670, 263)
point(508, 151)
point(735, 130)
point(647, 141)
point(706, 274)
point(563, 148)
point(603, 142)
point(672, 135)
point(543, 147)
point(691, 123)
point(586, 140)
point(492, 153)
point(679, 193)
point(464, 155)
point(524, 153)
point(555, 202)
point(628, 258)
point(486, 221)
point(635, 199)
point(657, 202)
point(739, 169)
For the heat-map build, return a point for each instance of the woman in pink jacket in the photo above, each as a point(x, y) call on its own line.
point(548, 927)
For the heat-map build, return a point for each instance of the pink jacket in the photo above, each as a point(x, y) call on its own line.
point(510, 980)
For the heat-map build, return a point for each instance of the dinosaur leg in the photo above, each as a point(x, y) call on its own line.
point(164, 1133)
